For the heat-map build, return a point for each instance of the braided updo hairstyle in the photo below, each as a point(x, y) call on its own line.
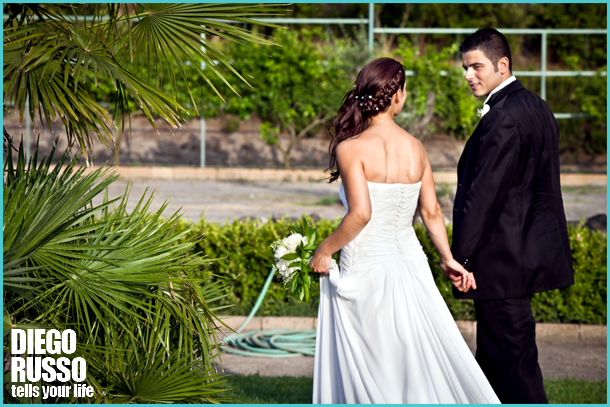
point(377, 82)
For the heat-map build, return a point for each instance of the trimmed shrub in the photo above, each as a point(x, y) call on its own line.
point(243, 260)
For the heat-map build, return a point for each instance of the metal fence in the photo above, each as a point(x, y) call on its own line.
point(369, 22)
point(543, 73)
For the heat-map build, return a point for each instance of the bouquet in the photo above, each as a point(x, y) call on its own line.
point(292, 255)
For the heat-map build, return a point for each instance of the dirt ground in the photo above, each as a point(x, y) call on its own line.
point(558, 359)
point(224, 200)
point(244, 147)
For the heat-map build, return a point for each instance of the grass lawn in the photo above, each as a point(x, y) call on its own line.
point(572, 391)
point(255, 389)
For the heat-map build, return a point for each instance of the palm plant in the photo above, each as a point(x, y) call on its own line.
point(126, 283)
point(50, 55)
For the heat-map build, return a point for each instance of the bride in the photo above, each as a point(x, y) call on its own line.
point(384, 333)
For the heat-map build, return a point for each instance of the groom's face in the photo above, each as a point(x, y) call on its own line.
point(480, 73)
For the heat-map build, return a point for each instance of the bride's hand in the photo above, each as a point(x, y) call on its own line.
point(461, 278)
point(320, 262)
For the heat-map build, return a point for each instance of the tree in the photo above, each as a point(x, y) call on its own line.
point(297, 88)
point(593, 101)
point(431, 91)
point(573, 50)
point(49, 55)
point(388, 41)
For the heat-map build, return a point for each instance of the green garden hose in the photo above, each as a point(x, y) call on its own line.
point(277, 343)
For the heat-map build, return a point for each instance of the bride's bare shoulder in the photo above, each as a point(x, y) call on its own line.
point(409, 136)
point(414, 141)
point(351, 146)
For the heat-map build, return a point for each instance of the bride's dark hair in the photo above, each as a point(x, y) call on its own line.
point(377, 82)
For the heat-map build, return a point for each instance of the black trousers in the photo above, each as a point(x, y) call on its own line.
point(506, 349)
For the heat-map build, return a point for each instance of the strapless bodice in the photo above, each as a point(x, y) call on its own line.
point(393, 205)
point(389, 234)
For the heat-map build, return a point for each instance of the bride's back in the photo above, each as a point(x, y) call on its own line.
point(390, 155)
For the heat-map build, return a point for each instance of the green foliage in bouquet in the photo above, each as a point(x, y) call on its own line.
point(301, 281)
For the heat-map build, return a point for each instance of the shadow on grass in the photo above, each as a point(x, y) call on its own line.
point(255, 389)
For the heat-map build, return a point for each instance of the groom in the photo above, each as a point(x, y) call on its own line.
point(509, 225)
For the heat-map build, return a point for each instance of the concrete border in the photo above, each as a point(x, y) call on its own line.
point(565, 332)
point(312, 175)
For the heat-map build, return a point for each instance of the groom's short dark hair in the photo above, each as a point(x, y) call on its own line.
point(491, 43)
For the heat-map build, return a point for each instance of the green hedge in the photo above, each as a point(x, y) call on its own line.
point(244, 259)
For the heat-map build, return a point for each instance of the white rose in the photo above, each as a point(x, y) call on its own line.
point(281, 265)
point(280, 251)
point(285, 271)
point(293, 241)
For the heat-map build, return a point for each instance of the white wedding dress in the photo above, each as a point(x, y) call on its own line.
point(384, 333)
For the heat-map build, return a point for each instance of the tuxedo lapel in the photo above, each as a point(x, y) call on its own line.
point(502, 93)
point(462, 160)
point(495, 98)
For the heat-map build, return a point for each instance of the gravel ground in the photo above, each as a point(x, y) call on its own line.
point(225, 200)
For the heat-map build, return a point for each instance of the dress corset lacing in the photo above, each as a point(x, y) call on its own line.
point(389, 232)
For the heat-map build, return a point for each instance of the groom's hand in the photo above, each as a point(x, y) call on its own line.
point(461, 278)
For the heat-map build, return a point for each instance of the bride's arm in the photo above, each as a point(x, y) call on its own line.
point(433, 218)
point(359, 203)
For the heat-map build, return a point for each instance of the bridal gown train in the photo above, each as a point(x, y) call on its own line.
point(385, 334)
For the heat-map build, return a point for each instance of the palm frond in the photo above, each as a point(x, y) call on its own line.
point(146, 374)
point(39, 205)
point(49, 55)
point(124, 281)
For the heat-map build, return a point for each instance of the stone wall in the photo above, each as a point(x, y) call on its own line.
point(241, 148)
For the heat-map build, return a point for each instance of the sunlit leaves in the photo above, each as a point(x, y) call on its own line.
point(125, 280)
point(50, 53)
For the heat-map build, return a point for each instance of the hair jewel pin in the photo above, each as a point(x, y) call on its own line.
point(370, 97)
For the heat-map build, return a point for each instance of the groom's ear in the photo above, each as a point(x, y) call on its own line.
point(503, 65)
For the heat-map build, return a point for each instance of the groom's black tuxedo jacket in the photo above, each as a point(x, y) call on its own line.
point(509, 225)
